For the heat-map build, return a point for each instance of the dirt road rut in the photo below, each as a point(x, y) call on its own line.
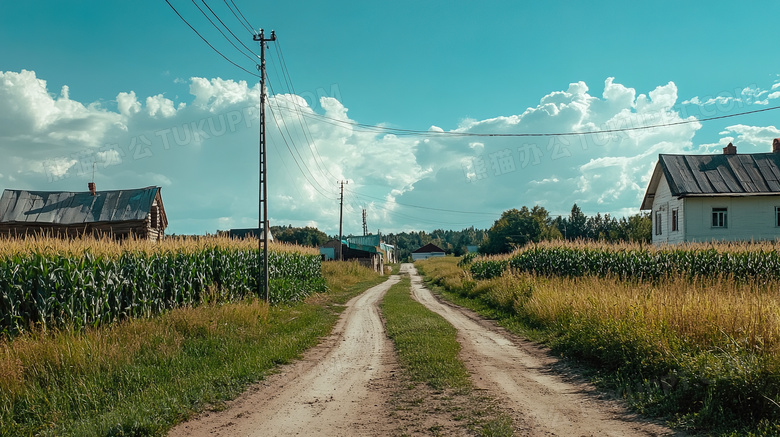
point(519, 374)
point(334, 391)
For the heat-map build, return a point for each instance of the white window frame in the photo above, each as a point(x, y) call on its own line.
point(719, 218)
point(675, 219)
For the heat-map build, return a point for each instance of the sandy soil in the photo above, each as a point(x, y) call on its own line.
point(349, 385)
point(543, 401)
point(338, 389)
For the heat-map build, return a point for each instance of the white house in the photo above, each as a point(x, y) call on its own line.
point(729, 196)
point(428, 251)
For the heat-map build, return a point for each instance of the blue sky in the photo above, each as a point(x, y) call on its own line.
point(128, 87)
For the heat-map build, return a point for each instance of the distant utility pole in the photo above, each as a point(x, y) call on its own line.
point(365, 226)
point(263, 213)
point(341, 216)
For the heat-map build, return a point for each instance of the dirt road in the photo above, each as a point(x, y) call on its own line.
point(344, 386)
point(520, 375)
point(336, 390)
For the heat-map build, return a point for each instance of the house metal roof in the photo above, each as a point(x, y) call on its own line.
point(70, 208)
point(753, 174)
point(429, 248)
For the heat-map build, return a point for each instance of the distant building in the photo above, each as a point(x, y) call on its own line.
point(729, 196)
point(367, 250)
point(245, 233)
point(120, 213)
point(430, 250)
point(390, 254)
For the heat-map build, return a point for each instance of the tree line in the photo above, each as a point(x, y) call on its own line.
point(515, 228)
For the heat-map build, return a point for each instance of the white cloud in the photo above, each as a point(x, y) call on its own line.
point(203, 153)
point(748, 139)
point(218, 94)
point(128, 104)
point(26, 106)
point(160, 105)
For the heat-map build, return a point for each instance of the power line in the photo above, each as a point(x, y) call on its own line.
point(242, 16)
point(429, 133)
point(228, 29)
point(206, 41)
point(420, 219)
point(289, 134)
point(316, 183)
point(301, 119)
point(221, 32)
point(425, 207)
point(249, 29)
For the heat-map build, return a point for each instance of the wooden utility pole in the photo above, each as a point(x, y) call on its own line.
point(365, 226)
point(341, 216)
point(263, 213)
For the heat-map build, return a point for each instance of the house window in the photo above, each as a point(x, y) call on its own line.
point(720, 218)
point(675, 219)
point(777, 216)
point(658, 223)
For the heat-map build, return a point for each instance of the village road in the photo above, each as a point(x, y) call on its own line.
point(521, 375)
point(335, 390)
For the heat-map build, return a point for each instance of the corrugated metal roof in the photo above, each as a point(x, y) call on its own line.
point(366, 243)
point(755, 173)
point(66, 208)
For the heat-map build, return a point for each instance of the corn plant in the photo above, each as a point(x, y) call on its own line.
point(45, 288)
point(760, 263)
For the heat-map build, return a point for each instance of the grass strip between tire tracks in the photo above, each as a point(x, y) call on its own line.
point(428, 352)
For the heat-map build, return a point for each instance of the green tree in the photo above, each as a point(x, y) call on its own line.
point(639, 228)
point(515, 228)
point(306, 236)
point(577, 224)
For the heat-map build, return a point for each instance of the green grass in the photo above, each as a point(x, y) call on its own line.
point(428, 350)
point(140, 377)
point(426, 343)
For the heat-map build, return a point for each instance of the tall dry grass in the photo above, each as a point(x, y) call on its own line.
point(704, 351)
point(105, 246)
point(703, 313)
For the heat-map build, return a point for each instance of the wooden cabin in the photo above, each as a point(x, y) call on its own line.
point(120, 213)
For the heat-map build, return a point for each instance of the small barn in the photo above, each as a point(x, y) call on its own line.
point(720, 197)
point(430, 250)
point(120, 213)
point(245, 233)
point(366, 250)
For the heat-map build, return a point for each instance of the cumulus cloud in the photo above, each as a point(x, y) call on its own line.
point(203, 152)
point(128, 104)
point(26, 106)
point(748, 139)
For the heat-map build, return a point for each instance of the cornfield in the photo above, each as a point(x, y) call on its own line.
point(49, 283)
point(744, 262)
